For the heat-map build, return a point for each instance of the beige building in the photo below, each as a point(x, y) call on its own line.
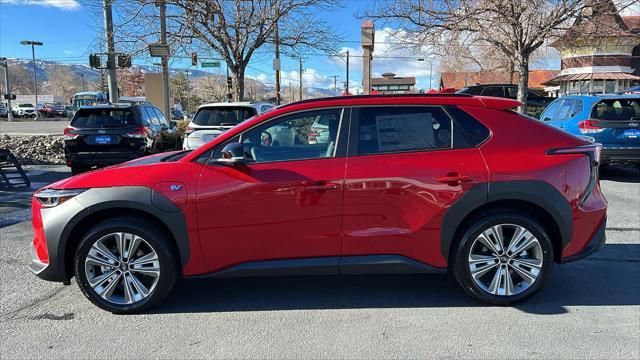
point(389, 83)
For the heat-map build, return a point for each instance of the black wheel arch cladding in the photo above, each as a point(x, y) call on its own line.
point(140, 199)
point(536, 192)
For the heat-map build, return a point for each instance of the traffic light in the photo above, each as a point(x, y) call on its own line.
point(123, 60)
point(95, 61)
point(229, 82)
point(194, 59)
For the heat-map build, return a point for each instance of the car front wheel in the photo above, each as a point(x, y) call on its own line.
point(125, 266)
point(503, 258)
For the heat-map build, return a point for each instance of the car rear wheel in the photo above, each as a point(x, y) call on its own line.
point(125, 266)
point(503, 258)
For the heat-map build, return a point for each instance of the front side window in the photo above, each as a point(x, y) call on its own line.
point(549, 113)
point(493, 91)
point(396, 129)
point(294, 137)
point(565, 110)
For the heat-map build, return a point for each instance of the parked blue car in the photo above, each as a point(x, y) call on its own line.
point(612, 120)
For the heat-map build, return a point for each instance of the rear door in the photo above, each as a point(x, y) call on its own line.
point(619, 120)
point(406, 165)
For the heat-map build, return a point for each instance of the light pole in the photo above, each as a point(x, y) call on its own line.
point(430, 69)
point(33, 57)
point(4, 63)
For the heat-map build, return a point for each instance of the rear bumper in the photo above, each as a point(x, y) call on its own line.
point(596, 243)
point(620, 153)
point(101, 158)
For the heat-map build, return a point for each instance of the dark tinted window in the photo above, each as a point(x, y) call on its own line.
point(160, 115)
point(473, 90)
point(467, 127)
point(103, 118)
point(396, 129)
point(220, 116)
point(493, 91)
point(153, 117)
point(617, 109)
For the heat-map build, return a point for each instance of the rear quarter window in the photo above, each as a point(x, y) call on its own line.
point(469, 131)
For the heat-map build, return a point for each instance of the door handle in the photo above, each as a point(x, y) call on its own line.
point(323, 187)
point(454, 179)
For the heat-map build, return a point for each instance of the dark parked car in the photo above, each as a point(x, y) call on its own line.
point(52, 110)
point(402, 184)
point(506, 91)
point(110, 134)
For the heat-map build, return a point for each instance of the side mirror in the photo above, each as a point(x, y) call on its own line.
point(232, 154)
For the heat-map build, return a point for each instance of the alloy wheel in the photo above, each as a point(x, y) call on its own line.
point(505, 259)
point(122, 268)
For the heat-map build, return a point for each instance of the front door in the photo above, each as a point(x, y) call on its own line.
point(284, 204)
point(403, 171)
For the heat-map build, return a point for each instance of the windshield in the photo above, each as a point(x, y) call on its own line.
point(617, 109)
point(103, 118)
point(223, 116)
point(25, 105)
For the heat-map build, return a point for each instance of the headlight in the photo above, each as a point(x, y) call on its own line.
point(51, 197)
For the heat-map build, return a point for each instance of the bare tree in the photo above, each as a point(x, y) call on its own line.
point(131, 82)
point(230, 29)
point(516, 28)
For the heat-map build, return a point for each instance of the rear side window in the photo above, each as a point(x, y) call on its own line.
point(153, 118)
point(617, 109)
point(223, 116)
point(467, 128)
point(565, 110)
point(396, 129)
point(493, 91)
point(103, 118)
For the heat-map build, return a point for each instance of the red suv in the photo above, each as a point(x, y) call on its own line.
point(402, 184)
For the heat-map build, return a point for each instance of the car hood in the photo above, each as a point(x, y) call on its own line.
point(144, 171)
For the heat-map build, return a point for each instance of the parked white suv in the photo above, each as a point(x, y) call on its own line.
point(24, 110)
point(211, 120)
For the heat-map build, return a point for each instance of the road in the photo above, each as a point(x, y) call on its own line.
point(589, 309)
point(30, 127)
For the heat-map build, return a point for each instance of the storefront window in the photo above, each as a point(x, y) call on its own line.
point(610, 87)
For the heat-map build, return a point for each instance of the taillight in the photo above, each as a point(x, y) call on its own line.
point(593, 151)
point(69, 133)
point(139, 132)
point(189, 130)
point(590, 126)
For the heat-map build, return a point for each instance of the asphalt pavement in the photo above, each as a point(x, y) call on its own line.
point(33, 127)
point(589, 309)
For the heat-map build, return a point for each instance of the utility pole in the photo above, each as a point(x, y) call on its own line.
point(111, 49)
point(165, 60)
point(347, 82)
point(276, 64)
point(33, 58)
point(430, 73)
point(368, 33)
point(300, 78)
point(7, 88)
point(335, 84)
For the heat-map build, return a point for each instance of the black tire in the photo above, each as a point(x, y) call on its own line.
point(460, 263)
point(164, 248)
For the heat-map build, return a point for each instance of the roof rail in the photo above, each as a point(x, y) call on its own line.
point(377, 96)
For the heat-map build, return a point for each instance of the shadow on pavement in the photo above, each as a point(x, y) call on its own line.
point(609, 277)
point(620, 173)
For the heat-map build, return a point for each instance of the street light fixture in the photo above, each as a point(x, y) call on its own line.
point(33, 57)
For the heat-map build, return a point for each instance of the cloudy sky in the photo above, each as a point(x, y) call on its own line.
point(67, 27)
